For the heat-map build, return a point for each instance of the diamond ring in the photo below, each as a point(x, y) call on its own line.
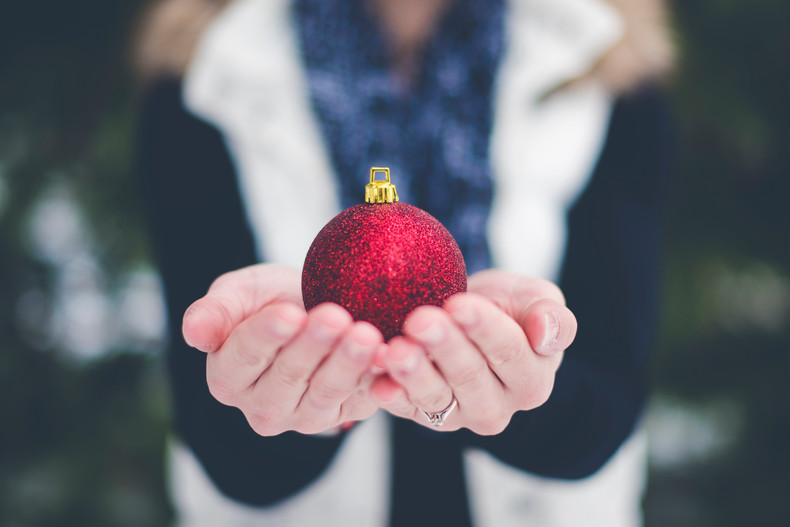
point(437, 419)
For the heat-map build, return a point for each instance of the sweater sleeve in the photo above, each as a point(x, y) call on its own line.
point(611, 282)
point(198, 231)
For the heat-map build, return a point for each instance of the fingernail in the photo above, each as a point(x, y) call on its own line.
point(433, 334)
point(405, 364)
point(552, 331)
point(321, 331)
point(284, 328)
point(358, 351)
point(364, 343)
point(408, 365)
point(191, 310)
point(189, 314)
point(466, 316)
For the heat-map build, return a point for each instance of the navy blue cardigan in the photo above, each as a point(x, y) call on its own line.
point(610, 279)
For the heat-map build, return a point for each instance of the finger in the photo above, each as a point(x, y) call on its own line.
point(457, 358)
point(499, 338)
point(339, 376)
point(425, 387)
point(234, 297)
point(283, 384)
point(550, 327)
point(392, 397)
point(251, 348)
point(385, 390)
point(359, 405)
point(512, 292)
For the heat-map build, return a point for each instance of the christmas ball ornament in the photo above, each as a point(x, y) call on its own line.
point(381, 259)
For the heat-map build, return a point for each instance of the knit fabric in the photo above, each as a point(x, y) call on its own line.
point(433, 132)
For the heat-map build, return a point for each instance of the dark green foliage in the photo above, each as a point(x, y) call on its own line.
point(727, 311)
point(81, 443)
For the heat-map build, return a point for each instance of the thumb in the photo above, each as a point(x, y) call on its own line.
point(234, 297)
point(549, 326)
point(537, 305)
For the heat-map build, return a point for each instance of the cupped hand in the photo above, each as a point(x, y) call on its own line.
point(496, 349)
point(285, 369)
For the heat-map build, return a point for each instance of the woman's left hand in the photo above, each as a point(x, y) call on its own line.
point(494, 350)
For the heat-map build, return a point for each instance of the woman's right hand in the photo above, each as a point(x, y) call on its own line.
point(285, 369)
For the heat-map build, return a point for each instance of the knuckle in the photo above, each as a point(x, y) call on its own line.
point(508, 351)
point(224, 280)
point(543, 392)
point(468, 378)
point(353, 411)
point(220, 390)
point(263, 423)
point(536, 394)
point(314, 427)
point(247, 354)
point(492, 429)
point(326, 396)
point(290, 374)
point(492, 426)
point(347, 411)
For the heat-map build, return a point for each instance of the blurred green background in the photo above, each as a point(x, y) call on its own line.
point(83, 416)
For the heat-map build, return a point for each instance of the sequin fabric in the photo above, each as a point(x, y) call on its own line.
point(434, 135)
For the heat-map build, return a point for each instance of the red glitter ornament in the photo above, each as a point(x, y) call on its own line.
point(382, 259)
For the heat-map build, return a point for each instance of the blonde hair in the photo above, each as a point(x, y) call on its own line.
point(170, 29)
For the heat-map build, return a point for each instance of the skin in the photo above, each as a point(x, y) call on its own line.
point(495, 348)
point(407, 25)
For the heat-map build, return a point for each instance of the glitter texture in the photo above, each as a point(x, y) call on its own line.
point(380, 261)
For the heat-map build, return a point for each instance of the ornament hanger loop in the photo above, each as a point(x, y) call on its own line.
point(380, 191)
point(376, 170)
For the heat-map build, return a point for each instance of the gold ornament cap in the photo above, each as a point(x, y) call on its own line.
point(380, 191)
